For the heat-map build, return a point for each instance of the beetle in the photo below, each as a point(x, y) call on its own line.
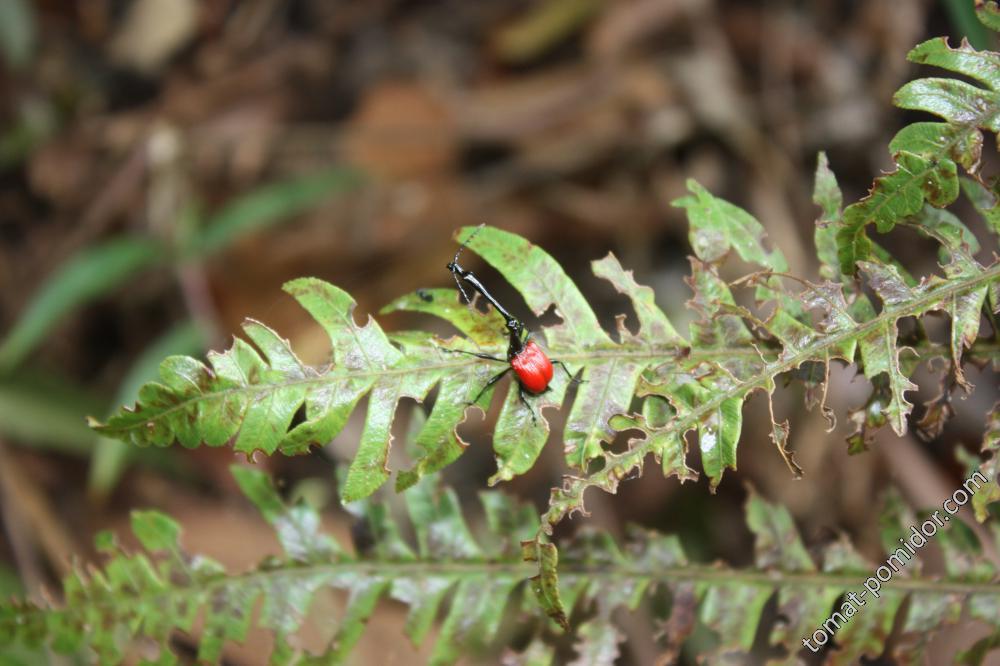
point(530, 363)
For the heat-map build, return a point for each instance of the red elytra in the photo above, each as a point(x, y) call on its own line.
point(533, 367)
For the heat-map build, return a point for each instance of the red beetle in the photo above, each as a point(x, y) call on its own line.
point(532, 367)
point(524, 356)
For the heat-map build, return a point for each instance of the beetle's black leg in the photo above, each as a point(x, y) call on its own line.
point(476, 354)
point(493, 380)
point(520, 394)
point(572, 379)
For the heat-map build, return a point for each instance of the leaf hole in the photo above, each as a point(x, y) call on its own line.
point(550, 317)
point(596, 465)
point(183, 645)
point(609, 305)
point(765, 626)
point(620, 442)
point(916, 252)
point(299, 417)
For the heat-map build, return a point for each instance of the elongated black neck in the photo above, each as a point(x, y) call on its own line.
point(514, 327)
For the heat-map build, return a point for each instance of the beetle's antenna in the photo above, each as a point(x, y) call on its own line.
point(467, 241)
point(458, 283)
point(456, 270)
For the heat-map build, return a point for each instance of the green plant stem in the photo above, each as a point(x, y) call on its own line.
point(981, 351)
point(568, 572)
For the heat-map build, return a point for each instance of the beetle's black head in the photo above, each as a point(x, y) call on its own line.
point(516, 329)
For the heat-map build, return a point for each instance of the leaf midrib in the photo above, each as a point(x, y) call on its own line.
point(424, 569)
point(667, 354)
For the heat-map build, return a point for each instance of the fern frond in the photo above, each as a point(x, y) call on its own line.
point(135, 596)
point(927, 154)
point(249, 397)
point(468, 584)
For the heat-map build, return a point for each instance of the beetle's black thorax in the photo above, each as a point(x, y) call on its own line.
point(517, 340)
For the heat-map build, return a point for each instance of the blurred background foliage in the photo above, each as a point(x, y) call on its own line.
point(165, 165)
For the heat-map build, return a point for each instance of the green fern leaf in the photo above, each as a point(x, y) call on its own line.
point(988, 13)
point(250, 396)
point(985, 202)
point(467, 585)
point(927, 153)
point(135, 595)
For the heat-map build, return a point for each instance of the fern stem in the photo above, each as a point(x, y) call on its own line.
point(569, 571)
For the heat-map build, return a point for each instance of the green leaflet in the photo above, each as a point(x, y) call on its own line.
point(878, 349)
point(958, 102)
point(607, 391)
point(545, 584)
point(718, 427)
point(518, 440)
point(155, 531)
point(480, 327)
point(827, 195)
point(296, 526)
point(988, 13)
point(895, 196)
point(110, 456)
point(985, 203)
point(990, 468)
point(926, 153)
point(669, 449)
point(543, 283)
point(957, 143)
point(716, 327)
point(718, 226)
point(983, 66)
point(880, 355)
